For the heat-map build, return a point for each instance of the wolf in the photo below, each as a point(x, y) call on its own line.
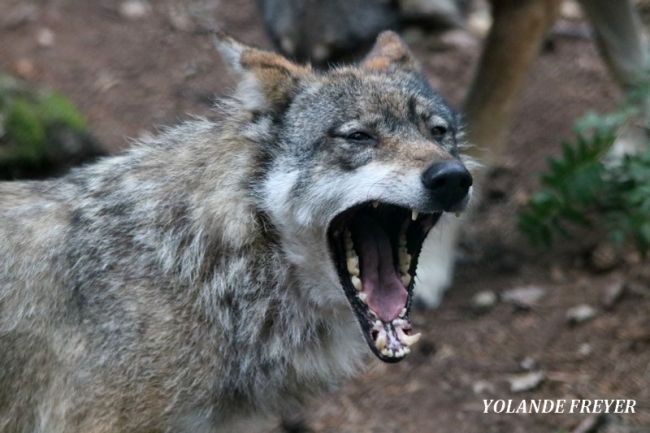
point(231, 265)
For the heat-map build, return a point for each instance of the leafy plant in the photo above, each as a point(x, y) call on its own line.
point(29, 121)
point(580, 189)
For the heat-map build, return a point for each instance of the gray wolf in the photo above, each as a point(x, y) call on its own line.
point(232, 266)
point(336, 30)
point(509, 51)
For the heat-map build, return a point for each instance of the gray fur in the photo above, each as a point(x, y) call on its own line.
point(186, 284)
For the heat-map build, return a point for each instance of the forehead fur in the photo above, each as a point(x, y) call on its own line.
point(353, 92)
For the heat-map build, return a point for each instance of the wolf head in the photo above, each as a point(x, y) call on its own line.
point(360, 163)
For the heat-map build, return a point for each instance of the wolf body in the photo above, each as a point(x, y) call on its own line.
point(188, 283)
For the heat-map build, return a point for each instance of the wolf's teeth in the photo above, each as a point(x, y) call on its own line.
point(410, 340)
point(356, 282)
point(414, 215)
point(404, 260)
point(353, 265)
point(406, 350)
point(375, 204)
point(363, 297)
point(406, 280)
point(398, 323)
point(403, 312)
point(387, 352)
point(400, 352)
point(380, 342)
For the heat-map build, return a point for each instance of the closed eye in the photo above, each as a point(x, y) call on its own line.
point(359, 136)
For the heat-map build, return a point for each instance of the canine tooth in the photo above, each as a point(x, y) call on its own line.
point(380, 342)
point(375, 204)
point(356, 282)
point(410, 340)
point(353, 265)
point(406, 280)
point(414, 215)
point(363, 297)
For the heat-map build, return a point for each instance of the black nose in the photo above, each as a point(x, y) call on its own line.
point(448, 183)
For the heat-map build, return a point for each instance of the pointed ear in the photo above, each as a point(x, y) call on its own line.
point(390, 53)
point(268, 80)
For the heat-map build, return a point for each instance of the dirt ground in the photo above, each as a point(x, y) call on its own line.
point(132, 72)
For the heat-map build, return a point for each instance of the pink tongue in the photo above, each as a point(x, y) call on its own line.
point(386, 293)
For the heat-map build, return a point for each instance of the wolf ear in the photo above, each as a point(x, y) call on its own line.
point(390, 53)
point(268, 80)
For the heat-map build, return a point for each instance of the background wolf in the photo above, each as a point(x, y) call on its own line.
point(226, 267)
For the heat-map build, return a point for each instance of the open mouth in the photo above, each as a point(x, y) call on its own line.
point(375, 248)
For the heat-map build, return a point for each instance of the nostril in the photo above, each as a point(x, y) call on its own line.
point(448, 183)
point(466, 181)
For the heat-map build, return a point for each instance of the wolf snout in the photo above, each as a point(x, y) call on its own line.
point(448, 183)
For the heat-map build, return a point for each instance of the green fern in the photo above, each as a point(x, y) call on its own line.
point(578, 189)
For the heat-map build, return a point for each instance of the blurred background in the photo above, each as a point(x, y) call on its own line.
point(551, 298)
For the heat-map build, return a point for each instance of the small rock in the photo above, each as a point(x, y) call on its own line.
point(25, 69)
point(580, 314)
point(134, 9)
point(613, 292)
point(585, 349)
point(571, 10)
point(523, 297)
point(528, 363)
point(105, 81)
point(484, 300)
point(45, 37)
point(604, 257)
point(483, 387)
point(180, 19)
point(526, 381)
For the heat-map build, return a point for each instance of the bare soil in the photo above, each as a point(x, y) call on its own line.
point(131, 75)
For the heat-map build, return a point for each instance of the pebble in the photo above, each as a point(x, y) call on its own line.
point(524, 297)
point(484, 300)
point(134, 9)
point(580, 314)
point(526, 381)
